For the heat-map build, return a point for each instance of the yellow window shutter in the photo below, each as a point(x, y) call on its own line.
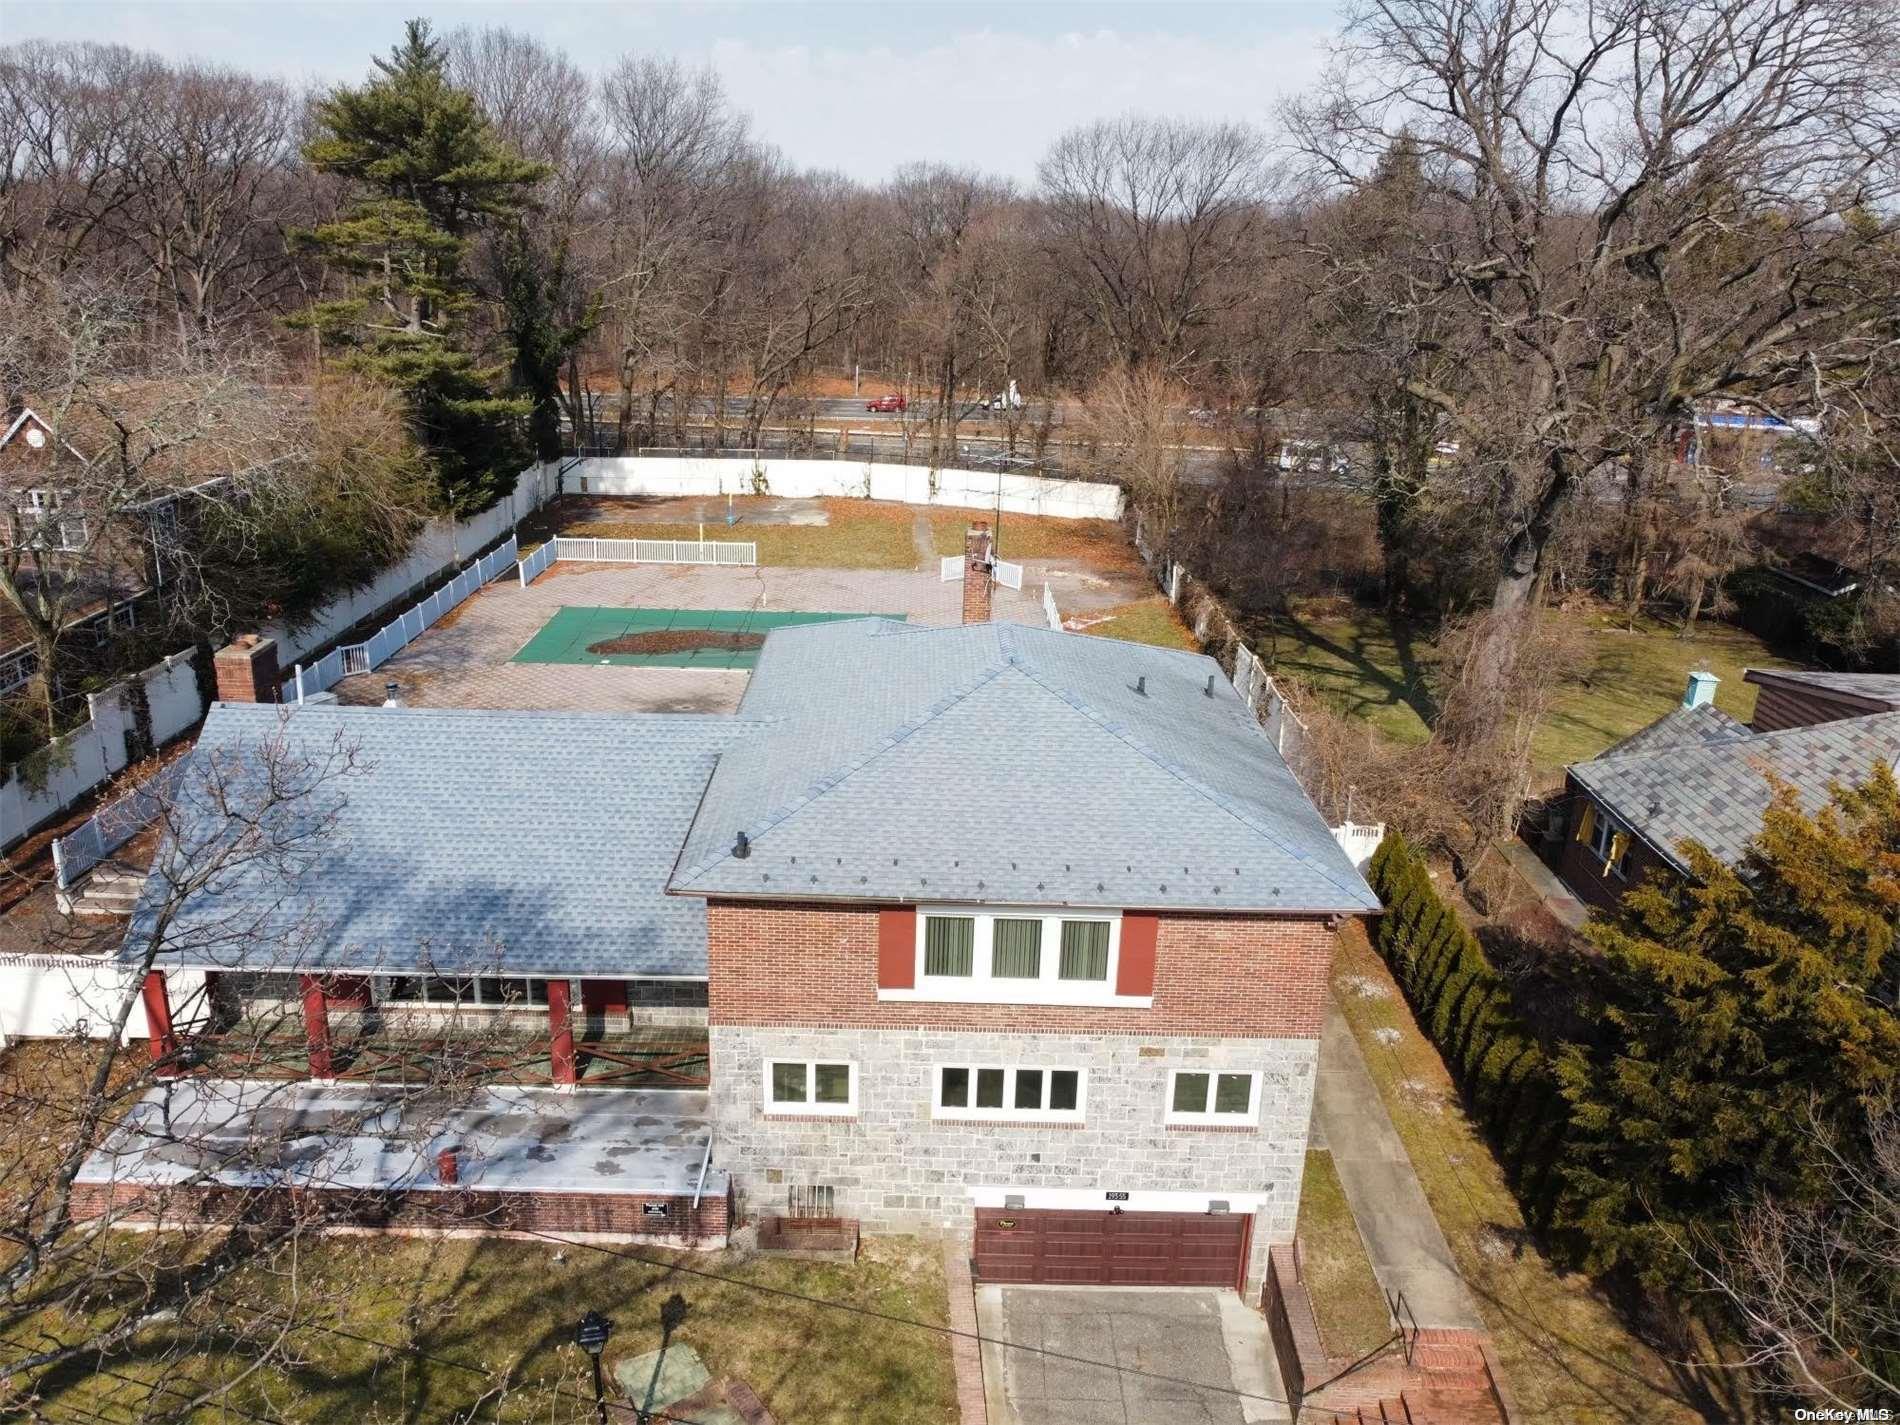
point(1619, 843)
point(1587, 822)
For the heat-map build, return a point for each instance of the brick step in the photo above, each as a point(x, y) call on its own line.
point(1447, 1356)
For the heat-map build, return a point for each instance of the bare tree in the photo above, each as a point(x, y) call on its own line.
point(1659, 202)
point(1155, 220)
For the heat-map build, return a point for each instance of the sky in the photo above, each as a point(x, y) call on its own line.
point(858, 88)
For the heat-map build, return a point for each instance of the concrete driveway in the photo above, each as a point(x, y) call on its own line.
point(1157, 1345)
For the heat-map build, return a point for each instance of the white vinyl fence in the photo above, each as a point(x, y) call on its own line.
point(46, 783)
point(534, 565)
point(399, 632)
point(656, 551)
point(114, 824)
point(1010, 576)
point(1049, 608)
point(78, 996)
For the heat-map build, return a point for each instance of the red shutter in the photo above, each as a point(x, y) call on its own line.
point(1136, 973)
point(897, 947)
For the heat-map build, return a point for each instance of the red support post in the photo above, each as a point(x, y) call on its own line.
point(560, 1034)
point(158, 1024)
point(316, 1028)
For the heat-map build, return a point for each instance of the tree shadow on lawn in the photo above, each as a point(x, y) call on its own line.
point(1409, 689)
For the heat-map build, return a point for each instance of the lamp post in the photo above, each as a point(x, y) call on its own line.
point(591, 1336)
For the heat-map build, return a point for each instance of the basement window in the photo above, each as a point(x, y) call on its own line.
point(801, 1086)
point(1213, 1096)
point(1029, 1094)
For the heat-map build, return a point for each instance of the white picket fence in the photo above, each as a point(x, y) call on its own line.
point(534, 565)
point(71, 766)
point(1049, 608)
point(1010, 576)
point(399, 632)
point(656, 551)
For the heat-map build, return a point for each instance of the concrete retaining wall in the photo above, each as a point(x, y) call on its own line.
point(805, 479)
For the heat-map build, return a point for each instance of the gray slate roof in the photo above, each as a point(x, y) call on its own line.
point(1001, 763)
point(484, 841)
point(1883, 686)
point(1680, 727)
point(1716, 791)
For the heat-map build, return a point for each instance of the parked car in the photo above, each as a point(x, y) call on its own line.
point(890, 401)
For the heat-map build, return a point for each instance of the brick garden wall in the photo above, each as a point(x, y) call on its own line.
point(1252, 976)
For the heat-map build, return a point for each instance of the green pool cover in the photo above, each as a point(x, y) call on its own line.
point(663, 638)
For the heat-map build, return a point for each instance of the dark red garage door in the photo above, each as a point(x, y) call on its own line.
point(1110, 1248)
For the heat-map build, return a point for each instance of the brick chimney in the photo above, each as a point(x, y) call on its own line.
point(977, 564)
point(246, 670)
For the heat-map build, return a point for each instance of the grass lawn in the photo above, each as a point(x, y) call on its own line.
point(1353, 1320)
point(861, 534)
point(1151, 620)
point(485, 1311)
point(1100, 544)
point(1373, 666)
point(1568, 1356)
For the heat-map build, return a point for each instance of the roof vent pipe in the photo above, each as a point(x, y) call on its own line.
point(390, 700)
point(1210, 685)
point(1141, 686)
point(741, 847)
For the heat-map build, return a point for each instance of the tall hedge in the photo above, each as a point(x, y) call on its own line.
point(1464, 1006)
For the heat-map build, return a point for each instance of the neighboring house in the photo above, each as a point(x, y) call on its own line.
point(1698, 774)
point(983, 927)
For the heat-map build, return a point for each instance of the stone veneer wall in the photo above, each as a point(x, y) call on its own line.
point(897, 1169)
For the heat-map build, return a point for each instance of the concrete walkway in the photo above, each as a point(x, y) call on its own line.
point(1408, 1250)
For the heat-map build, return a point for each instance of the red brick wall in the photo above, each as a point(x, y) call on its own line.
point(1248, 976)
point(556, 1212)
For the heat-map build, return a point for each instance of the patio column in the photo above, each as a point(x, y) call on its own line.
point(158, 1024)
point(560, 1034)
point(316, 1028)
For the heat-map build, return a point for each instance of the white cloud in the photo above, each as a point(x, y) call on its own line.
point(995, 100)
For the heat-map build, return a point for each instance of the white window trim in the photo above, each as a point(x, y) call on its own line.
point(1602, 834)
point(811, 1106)
point(981, 987)
point(1207, 1117)
point(1008, 1113)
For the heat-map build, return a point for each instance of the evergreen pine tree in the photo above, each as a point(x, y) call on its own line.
point(428, 173)
point(1738, 1006)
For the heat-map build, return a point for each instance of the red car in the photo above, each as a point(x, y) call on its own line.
point(891, 402)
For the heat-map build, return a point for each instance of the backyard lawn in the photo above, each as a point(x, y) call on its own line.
point(1151, 620)
point(1569, 1358)
point(1373, 666)
point(859, 534)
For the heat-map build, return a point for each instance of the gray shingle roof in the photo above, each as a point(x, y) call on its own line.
point(1001, 763)
point(1715, 792)
point(505, 842)
point(1680, 727)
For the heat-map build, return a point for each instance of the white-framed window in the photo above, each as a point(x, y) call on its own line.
point(1033, 1093)
point(804, 1086)
point(1226, 1097)
point(1016, 955)
point(463, 992)
point(1610, 843)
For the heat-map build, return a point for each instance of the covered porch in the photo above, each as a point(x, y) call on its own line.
point(566, 1033)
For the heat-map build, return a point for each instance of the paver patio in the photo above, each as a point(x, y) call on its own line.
point(463, 662)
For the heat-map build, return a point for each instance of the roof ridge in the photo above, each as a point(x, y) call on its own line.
point(733, 719)
point(1180, 774)
point(830, 782)
point(1751, 738)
